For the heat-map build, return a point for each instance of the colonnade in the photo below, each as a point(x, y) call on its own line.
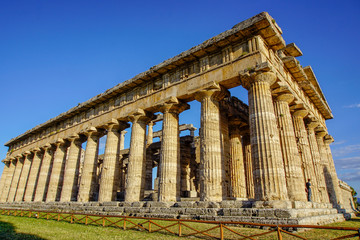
point(267, 158)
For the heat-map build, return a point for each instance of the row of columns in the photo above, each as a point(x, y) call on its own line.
point(270, 163)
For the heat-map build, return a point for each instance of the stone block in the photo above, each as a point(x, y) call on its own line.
point(138, 204)
point(113, 203)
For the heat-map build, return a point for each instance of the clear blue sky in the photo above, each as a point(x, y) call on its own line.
point(56, 54)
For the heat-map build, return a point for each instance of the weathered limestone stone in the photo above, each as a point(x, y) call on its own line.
point(318, 165)
point(19, 197)
point(212, 172)
point(57, 172)
point(149, 138)
point(135, 180)
point(88, 176)
point(122, 139)
point(110, 172)
point(4, 175)
point(33, 176)
point(323, 165)
point(237, 169)
point(332, 180)
point(248, 165)
point(169, 181)
point(269, 174)
point(69, 189)
point(18, 162)
point(6, 179)
point(44, 175)
point(305, 152)
point(225, 149)
point(292, 162)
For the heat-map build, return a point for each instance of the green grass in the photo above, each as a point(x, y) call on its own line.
point(35, 229)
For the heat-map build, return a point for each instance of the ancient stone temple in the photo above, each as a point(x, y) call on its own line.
point(249, 162)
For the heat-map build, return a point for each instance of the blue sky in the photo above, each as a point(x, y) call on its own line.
point(56, 54)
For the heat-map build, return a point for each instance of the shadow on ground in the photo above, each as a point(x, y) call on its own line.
point(354, 220)
point(7, 232)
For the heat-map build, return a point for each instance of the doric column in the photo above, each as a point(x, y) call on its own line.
point(70, 189)
point(292, 161)
point(170, 169)
point(149, 157)
point(57, 172)
point(237, 169)
point(212, 172)
point(135, 178)
point(269, 174)
point(320, 180)
point(18, 162)
point(225, 147)
point(248, 165)
point(149, 137)
point(305, 152)
point(44, 175)
point(19, 197)
point(324, 175)
point(332, 180)
point(122, 139)
point(110, 173)
point(6, 175)
point(88, 176)
point(33, 176)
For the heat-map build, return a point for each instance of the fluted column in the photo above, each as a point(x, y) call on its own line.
point(269, 174)
point(122, 139)
point(33, 176)
point(305, 152)
point(318, 168)
point(19, 197)
point(225, 147)
point(237, 169)
point(70, 189)
point(211, 172)
point(170, 168)
point(4, 175)
point(149, 157)
point(248, 165)
point(110, 173)
point(324, 174)
point(332, 180)
point(149, 137)
point(57, 172)
point(18, 162)
point(135, 178)
point(292, 161)
point(44, 175)
point(6, 179)
point(87, 186)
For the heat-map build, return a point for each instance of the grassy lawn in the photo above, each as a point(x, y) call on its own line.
point(29, 228)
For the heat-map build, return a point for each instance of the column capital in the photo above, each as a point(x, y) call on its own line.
point(35, 150)
point(172, 105)
point(26, 153)
point(59, 142)
point(140, 115)
point(249, 78)
point(123, 132)
point(328, 139)
point(312, 125)
point(211, 90)
point(46, 146)
point(300, 113)
point(320, 134)
point(285, 97)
